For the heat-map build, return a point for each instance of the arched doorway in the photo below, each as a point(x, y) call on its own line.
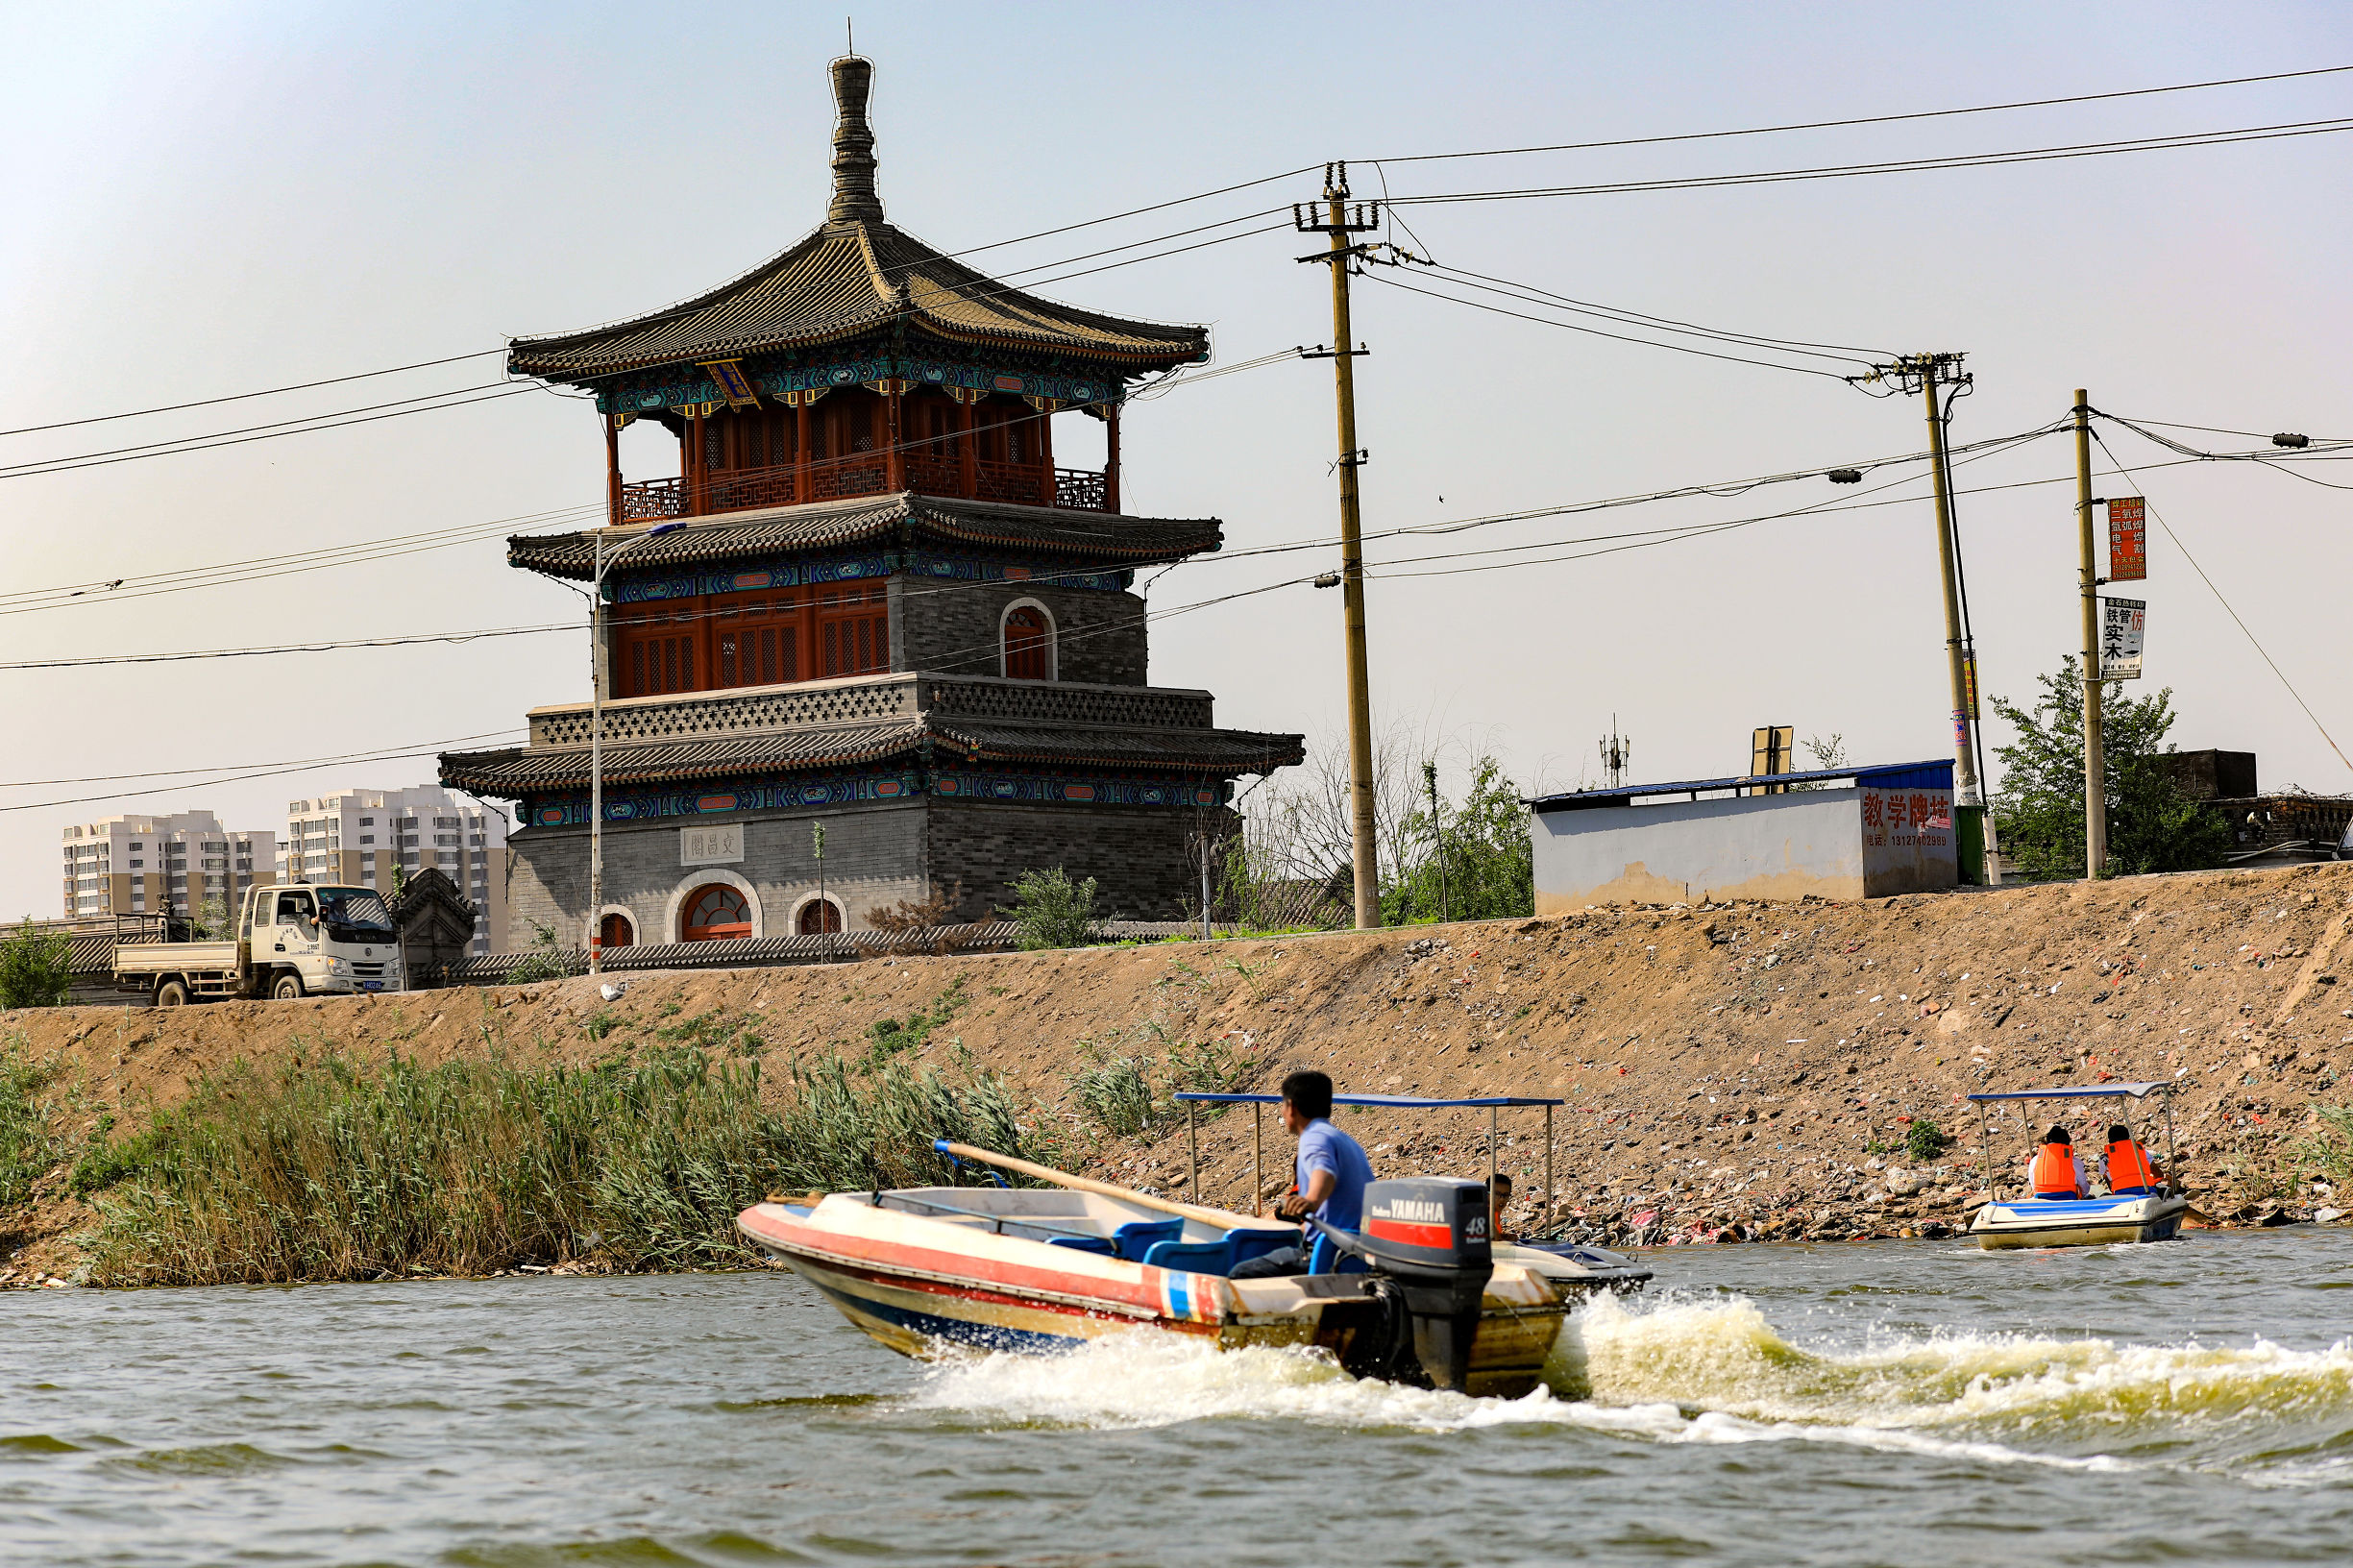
point(1027, 643)
point(820, 916)
point(716, 913)
point(616, 930)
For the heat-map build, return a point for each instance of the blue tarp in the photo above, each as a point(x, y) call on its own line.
point(1897, 775)
point(1394, 1102)
point(2103, 1091)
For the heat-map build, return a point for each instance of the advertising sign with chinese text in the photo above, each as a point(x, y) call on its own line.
point(2121, 621)
point(2127, 539)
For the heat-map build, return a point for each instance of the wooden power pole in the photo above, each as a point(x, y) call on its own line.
point(1338, 222)
point(2095, 763)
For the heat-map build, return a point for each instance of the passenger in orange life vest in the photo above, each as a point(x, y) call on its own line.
point(2131, 1172)
point(2054, 1173)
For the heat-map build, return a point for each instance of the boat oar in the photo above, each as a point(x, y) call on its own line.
point(1219, 1218)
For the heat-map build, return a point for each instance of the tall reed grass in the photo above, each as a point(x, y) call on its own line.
point(349, 1170)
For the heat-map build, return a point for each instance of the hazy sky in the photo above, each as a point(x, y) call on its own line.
point(201, 201)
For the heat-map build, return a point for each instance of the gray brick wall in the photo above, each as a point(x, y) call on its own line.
point(953, 627)
point(873, 855)
point(1144, 862)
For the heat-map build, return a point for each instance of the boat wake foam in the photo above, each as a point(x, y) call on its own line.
point(1717, 1372)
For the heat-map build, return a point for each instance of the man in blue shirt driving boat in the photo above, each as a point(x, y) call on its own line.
point(1332, 1174)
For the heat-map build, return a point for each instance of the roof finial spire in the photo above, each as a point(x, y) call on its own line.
point(855, 196)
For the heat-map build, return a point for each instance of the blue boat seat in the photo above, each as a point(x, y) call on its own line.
point(1138, 1237)
point(1220, 1257)
point(1084, 1244)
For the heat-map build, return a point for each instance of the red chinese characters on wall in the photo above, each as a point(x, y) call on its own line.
point(1906, 819)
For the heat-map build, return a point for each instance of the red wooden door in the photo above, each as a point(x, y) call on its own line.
point(1025, 649)
point(715, 914)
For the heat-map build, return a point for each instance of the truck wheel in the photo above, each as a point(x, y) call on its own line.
point(172, 994)
point(286, 988)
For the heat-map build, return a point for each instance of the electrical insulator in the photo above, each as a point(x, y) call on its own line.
point(2289, 439)
point(1846, 476)
point(1330, 579)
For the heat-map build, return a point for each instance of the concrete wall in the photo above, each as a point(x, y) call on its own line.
point(1751, 847)
point(954, 629)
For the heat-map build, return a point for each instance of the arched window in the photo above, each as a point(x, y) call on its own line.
point(819, 915)
point(1028, 644)
point(615, 930)
point(715, 914)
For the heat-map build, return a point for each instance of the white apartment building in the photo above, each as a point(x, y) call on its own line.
point(358, 836)
point(174, 865)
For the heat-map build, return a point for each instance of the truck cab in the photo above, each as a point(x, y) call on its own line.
point(323, 940)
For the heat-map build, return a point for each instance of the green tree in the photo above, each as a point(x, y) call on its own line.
point(36, 968)
point(2153, 826)
point(1053, 911)
point(1470, 860)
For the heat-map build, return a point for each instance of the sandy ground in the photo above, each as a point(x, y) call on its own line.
point(1730, 1072)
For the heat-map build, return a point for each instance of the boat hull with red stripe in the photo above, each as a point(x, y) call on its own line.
point(956, 1266)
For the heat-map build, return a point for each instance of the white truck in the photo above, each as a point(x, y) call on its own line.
point(292, 940)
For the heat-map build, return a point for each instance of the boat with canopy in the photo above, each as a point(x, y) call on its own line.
point(2134, 1214)
point(1423, 1294)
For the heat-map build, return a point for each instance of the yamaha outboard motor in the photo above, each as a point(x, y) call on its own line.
point(1429, 1233)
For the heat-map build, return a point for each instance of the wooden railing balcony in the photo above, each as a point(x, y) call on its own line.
point(860, 474)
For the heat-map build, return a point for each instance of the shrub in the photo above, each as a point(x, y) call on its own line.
point(1926, 1140)
point(342, 1170)
point(28, 1143)
point(1053, 911)
point(1115, 1092)
point(36, 968)
point(543, 960)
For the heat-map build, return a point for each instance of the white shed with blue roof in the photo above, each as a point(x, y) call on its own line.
point(1840, 833)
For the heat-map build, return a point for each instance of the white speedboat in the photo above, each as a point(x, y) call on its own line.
point(1424, 1298)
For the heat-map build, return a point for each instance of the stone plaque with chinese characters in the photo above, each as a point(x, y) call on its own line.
point(719, 844)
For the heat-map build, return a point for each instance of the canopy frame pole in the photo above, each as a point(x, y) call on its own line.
point(1258, 1159)
point(1193, 1144)
point(1491, 1147)
point(2172, 1162)
point(1985, 1147)
point(1548, 1166)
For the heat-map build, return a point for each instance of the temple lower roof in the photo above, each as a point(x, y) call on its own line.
point(515, 772)
point(1108, 537)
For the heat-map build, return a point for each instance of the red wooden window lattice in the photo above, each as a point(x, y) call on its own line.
point(715, 914)
point(819, 915)
point(1025, 644)
point(615, 931)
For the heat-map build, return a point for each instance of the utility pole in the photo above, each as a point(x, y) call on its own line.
point(1924, 373)
point(1338, 222)
point(2095, 763)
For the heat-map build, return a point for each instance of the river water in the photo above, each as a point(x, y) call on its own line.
point(1899, 1403)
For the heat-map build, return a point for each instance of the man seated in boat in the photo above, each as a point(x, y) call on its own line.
point(1331, 1173)
point(2131, 1172)
point(1499, 1199)
point(2053, 1172)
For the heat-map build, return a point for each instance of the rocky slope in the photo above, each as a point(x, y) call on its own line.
point(1730, 1072)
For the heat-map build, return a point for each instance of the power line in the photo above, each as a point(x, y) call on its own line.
point(264, 771)
point(240, 396)
point(291, 648)
point(2227, 609)
point(1841, 353)
point(206, 444)
point(1596, 332)
point(1916, 166)
point(1869, 119)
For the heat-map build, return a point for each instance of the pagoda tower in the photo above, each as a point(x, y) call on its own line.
point(886, 614)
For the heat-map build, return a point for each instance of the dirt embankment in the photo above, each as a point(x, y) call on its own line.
point(1747, 1070)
